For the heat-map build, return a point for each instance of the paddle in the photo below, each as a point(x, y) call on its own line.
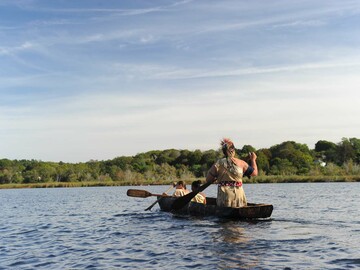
point(141, 193)
point(151, 206)
point(184, 200)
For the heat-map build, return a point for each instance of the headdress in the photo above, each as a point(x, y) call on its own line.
point(226, 145)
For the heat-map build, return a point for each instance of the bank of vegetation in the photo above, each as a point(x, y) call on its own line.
point(286, 162)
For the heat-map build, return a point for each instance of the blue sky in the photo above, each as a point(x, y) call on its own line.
point(83, 80)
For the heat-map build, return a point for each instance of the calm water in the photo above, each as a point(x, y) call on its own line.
point(313, 226)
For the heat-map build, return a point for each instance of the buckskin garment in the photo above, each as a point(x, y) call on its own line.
point(199, 198)
point(229, 177)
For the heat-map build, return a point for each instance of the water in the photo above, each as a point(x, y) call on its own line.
point(313, 226)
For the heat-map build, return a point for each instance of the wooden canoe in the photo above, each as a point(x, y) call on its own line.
point(251, 211)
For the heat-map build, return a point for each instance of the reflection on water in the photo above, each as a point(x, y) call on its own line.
point(230, 232)
point(232, 242)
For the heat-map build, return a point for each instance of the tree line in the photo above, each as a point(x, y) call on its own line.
point(162, 166)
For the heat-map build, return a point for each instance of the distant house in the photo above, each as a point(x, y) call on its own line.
point(320, 162)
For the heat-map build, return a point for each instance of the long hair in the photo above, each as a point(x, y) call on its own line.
point(228, 148)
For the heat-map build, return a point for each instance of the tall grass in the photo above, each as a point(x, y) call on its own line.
point(142, 182)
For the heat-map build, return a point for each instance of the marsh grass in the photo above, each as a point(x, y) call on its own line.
point(254, 180)
point(62, 184)
point(303, 179)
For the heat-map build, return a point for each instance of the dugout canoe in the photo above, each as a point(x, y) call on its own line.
point(251, 211)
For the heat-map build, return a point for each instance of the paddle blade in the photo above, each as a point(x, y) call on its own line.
point(184, 200)
point(138, 193)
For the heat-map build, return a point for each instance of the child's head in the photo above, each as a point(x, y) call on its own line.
point(195, 185)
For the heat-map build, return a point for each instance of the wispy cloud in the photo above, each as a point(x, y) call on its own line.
point(81, 81)
point(174, 73)
point(12, 50)
point(309, 15)
point(119, 11)
point(308, 23)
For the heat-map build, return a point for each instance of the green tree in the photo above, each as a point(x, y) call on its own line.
point(31, 176)
point(243, 153)
point(297, 154)
point(5, 176)
point(346, 151)
point(195, 158)
point(165, 172)
point(123, 163)
point(47, 172)
point(167, 156)
point(323, 146)
point(356, 146)
point(209, 158)
point(263, 161)
point(183, 172)
point(184, 158)
point(95, 169)
point(10, 171)
point(140, 163)
point(282, 166)
point(326, 150)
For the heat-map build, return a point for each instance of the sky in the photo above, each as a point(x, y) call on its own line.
point(93, 80)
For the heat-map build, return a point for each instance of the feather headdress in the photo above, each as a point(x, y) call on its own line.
point(226, 143)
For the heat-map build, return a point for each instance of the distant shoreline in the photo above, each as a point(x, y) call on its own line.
point(255, 180)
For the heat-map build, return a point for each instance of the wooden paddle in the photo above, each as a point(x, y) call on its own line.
point(151, 206)
point(141, 193)
point(184, 200)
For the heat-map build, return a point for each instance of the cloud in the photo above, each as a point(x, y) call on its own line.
point(88, 9)
point(78, 82)
point(174, 73)
point(308, 23)
point(13, 50)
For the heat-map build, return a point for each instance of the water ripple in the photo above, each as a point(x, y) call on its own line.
point(95, 228)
